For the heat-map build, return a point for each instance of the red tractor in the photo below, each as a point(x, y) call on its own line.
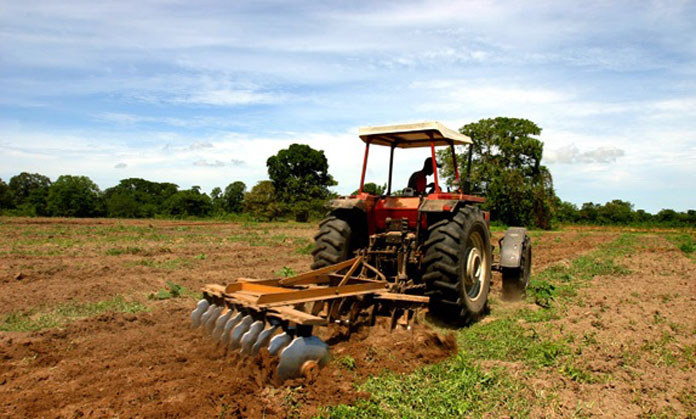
point(386, 255)
point(435, 243)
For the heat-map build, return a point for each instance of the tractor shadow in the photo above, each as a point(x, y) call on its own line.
point(450, 319)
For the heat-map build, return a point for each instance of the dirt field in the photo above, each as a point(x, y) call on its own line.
point(82, 337)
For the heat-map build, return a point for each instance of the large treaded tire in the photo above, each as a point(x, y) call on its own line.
point(457, 262)
point(516, 280)
point(332, 244)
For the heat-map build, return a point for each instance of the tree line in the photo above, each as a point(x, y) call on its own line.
point(618, 212)
point(298, 187)
point(506, 168)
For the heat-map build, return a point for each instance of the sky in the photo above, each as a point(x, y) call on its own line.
point(202, 93)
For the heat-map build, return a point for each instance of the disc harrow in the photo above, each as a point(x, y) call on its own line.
point(279, 315)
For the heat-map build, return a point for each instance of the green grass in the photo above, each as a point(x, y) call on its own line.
point(116, 251)
point(253, 237)
point(173, 290)
point(461, 386)
point(454, 388)
point(305, 249)
point(563, 281)
point(167, 264)
point(32, 320)
point(347, 362)
point(286, 272)
point(581, 375)
point(684, 242)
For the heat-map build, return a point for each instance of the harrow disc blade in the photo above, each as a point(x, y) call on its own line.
point(206, 315)
point(278, 343)
point(229, 326)
point(210, 321)
point(302, 356)
point(263, 340)
point(249, 338)
point(239, 331)
point(196, 314)
point(220, 325)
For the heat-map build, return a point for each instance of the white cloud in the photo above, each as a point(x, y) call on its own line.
point(571, 155)
point(228, 97)
point(205, 163)
point(120, 166)
point(200, 145)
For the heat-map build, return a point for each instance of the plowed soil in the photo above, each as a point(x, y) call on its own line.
point(150, 363)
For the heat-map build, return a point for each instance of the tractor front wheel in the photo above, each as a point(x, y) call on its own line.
point(332, 244)
point(457, 263)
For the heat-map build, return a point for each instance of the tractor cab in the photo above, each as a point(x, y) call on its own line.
point(408, 205)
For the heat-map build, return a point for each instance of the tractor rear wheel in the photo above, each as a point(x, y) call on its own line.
point(457, 264)
point(332, 244)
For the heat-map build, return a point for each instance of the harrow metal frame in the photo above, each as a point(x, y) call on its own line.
point(278, 298)
point(273, 313)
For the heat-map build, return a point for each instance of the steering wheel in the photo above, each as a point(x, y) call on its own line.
point(408, 192)
point(430, 185)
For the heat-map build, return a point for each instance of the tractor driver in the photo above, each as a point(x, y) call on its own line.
point(418, 181)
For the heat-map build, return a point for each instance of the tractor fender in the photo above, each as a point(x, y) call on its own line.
point(439, 205)
point(511, 247)
point(347, 204)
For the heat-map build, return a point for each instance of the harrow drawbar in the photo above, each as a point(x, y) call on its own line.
point(279, 315)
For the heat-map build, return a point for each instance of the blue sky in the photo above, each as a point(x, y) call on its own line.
point(202, 93)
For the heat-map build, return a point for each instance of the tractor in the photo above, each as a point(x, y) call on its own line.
point(376, 255)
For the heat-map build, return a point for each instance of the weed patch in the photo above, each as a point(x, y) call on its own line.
point(305, 250)
point(562, 281)
point(167, 264)
point(684, 242)
point(347, 362)
point(116, 251)
point(28, 321)
point(453, 388)
point(581, 375)
point(174, 290)
point(286, 272)
point(264, 238)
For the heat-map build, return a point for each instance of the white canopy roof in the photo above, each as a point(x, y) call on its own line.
point(413, 135)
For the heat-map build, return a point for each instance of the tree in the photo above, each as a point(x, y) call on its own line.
point(29, 192)
point(123, 204)
point(589, 212)
point(691, 217)
point(666, 215)
point(506, 168)
point(616, 212)
point(261, 201)
point(24, 183)
point(189, 202)
point(74, 196)
point(137, 198)
point(6, 198)
point(300, 174)
point(372, 189)
point(233, 198)
point(216, 200)
point(565, 212)
point(642, 216)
